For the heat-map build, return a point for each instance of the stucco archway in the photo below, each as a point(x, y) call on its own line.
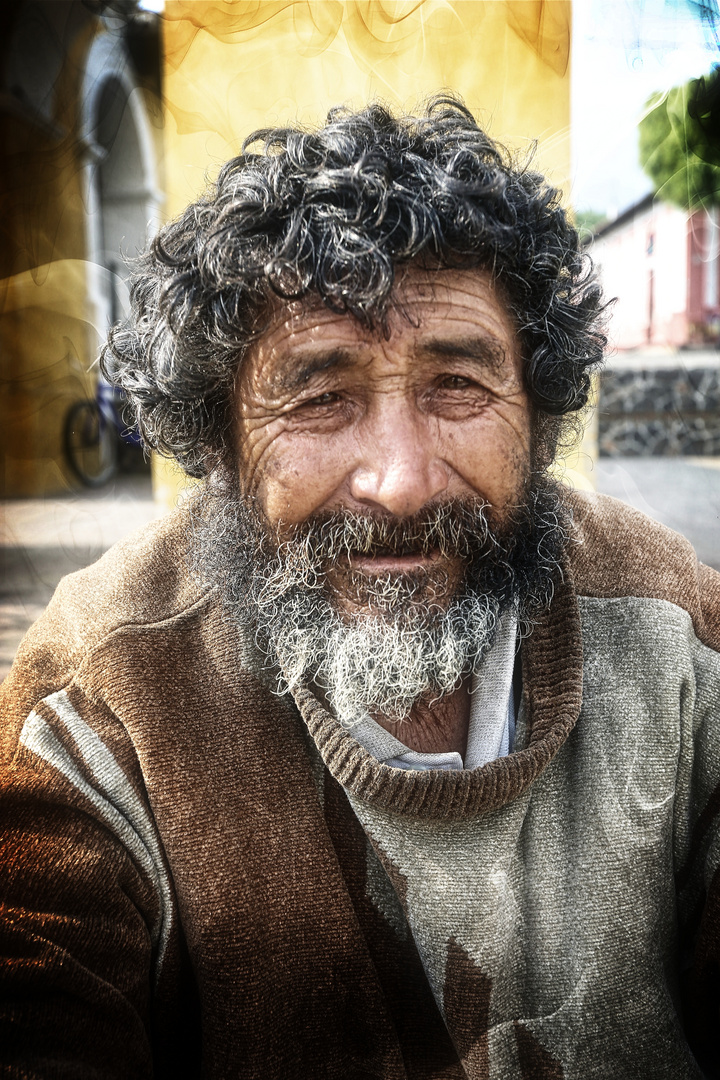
point(123, 198)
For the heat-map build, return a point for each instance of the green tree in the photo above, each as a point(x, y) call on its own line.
point(680, 142)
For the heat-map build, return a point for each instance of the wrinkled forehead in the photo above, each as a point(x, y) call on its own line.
point(423, 302)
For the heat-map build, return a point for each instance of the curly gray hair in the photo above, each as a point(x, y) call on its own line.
point(334, 212)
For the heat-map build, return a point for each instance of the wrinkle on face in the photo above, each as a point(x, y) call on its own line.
point(331, 414)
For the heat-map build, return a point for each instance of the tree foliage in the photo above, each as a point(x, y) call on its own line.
point(680, 142)
point(588, 221)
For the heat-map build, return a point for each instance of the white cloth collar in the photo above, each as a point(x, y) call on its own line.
point(492, 714)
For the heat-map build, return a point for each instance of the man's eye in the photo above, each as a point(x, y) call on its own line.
point(328, 400)
point(455, 382)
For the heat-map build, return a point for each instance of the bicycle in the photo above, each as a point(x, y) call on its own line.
point(94, 435)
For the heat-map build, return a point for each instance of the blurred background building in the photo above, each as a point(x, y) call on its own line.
point(661, 262)
point(660, 259)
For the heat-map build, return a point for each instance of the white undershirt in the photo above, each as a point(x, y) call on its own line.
point(491, 731)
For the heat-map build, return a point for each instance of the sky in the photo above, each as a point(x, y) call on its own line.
point(624, 50)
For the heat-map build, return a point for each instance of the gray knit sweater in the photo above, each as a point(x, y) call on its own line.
point(200, 878)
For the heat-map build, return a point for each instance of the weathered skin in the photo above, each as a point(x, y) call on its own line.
point(330, 415)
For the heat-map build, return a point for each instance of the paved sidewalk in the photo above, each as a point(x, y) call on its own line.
point(682, 493)
point(41, 540)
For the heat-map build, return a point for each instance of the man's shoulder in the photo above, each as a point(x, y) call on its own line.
point(142, 581)
point(620, 552)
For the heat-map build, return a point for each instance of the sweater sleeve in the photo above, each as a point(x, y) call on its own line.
point(83, 898)
point(697, 862)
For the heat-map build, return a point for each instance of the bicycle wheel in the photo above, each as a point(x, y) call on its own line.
point(90, 444)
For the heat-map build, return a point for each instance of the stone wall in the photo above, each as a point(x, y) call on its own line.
point(655, 411)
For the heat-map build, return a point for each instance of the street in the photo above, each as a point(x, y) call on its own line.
point(41, 540)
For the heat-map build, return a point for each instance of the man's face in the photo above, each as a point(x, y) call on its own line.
point(335, 417)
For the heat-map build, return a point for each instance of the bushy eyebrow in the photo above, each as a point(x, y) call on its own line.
point(485, 352)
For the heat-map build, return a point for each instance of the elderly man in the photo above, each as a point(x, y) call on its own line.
point(385, 757)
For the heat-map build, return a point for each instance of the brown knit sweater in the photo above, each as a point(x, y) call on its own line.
point(200, 878)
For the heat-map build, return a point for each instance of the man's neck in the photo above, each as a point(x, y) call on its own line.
point(439, 728)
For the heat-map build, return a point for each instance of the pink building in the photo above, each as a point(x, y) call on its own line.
point(663, 266)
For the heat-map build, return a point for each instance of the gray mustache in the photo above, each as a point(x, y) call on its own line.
point(456, 528)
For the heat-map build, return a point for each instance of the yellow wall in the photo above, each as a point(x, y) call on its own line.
point(234, 66)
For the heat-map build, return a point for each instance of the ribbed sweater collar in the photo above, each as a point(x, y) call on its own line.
point(552, 695)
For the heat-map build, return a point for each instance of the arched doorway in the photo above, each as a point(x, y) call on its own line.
point(123, 197)
point(124, 201)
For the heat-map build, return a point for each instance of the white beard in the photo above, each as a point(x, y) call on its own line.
point(413, 636)
point(382, 662)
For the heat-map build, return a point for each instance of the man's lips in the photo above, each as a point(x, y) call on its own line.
point(378, 564)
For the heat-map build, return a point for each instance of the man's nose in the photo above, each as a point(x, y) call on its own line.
point(399, 469)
